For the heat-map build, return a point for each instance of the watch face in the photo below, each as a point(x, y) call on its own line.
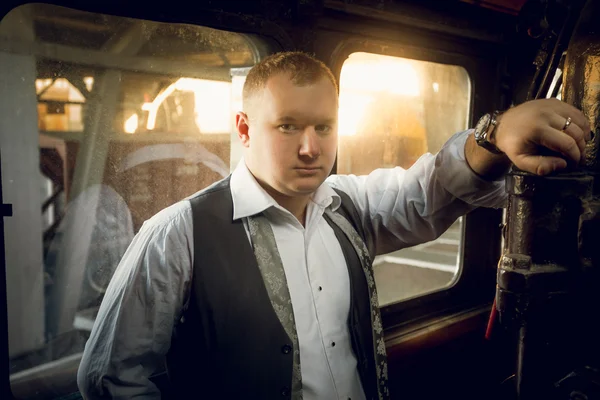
point(482, 126)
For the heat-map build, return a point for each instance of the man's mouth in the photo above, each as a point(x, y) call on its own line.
point(308, 170)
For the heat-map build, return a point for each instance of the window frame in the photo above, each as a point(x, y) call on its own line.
point(263, 36)
point(477, 263)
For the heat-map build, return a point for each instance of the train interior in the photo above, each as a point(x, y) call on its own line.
point(111, 112)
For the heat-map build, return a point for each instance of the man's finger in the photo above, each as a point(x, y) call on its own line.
point(566, 110)
point(560, 142)
point(540, 165)
point(572, 130)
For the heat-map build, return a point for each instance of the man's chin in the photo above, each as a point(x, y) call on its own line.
point(306, 188)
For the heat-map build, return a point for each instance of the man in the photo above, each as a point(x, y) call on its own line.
point(261, 286)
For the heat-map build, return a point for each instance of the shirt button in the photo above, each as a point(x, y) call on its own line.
point(285, 391)
point(320, 288)
point(286, 349)
point(332, 344)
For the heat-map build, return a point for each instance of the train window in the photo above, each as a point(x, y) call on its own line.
point(392, 111)
point(110, 120)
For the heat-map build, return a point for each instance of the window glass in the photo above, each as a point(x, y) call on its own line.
point(392, 111)
point(104, 122)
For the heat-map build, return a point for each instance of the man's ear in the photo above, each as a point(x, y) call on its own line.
point(242, 124)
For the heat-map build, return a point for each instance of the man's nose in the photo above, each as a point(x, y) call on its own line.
point(310, 146)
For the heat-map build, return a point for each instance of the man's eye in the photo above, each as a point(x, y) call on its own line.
point(322, 128)
point(287, 128)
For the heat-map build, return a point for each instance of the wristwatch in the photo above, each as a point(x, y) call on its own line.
point(484, 130)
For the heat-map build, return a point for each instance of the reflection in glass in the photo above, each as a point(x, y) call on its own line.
point(211, 102)
point(392, 111)
point(132, 116)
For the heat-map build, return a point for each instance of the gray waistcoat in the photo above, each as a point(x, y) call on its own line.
point(230, 343)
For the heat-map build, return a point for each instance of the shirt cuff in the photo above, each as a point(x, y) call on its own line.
point(458, 178)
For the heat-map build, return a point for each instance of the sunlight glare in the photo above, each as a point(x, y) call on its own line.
point(212, 104)
point(366, 76)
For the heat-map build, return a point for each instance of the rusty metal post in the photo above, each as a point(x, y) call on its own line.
point(539, 271)
point(549, 275)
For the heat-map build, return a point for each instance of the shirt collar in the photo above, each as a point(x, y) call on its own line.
point(249, 198)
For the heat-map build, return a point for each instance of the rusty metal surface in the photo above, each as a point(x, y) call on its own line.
point(543, 215)
point(582, 75)
point(550, 271)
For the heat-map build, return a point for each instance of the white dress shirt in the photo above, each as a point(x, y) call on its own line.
point(151, 285)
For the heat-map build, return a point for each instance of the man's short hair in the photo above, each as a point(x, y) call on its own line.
point(302, 68)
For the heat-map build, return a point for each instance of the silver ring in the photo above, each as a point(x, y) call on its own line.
point(567, 123)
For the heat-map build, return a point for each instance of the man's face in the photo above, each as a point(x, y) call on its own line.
point(290, 139)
